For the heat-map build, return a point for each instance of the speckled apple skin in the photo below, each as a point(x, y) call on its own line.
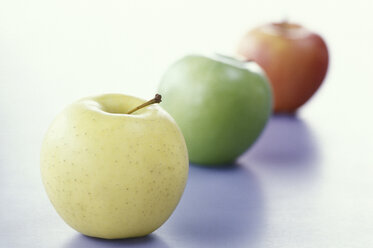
point(112, 175)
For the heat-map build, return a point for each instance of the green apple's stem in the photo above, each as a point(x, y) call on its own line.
point(156, 99)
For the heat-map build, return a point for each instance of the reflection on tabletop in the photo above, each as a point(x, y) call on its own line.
point(287, 147)
point(81, 241)
point(220, 207)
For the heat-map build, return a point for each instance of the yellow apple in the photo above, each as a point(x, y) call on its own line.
point(110, 174)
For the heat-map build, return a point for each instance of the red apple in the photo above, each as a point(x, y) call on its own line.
point(294, 58)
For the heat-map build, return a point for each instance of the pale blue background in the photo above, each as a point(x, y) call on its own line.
point(307, 182)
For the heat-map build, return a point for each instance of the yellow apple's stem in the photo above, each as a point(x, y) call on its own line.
point(156, 99)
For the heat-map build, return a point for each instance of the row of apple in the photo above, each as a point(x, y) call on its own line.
point(115, 166)
point(222, 104)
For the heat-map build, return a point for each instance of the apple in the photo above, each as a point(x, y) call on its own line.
point(294, 58)
point(111, 174)
point(221, 105)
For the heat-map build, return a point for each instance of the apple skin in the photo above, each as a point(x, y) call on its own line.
point(220, 104)
point(294, 58)
point(113, 175)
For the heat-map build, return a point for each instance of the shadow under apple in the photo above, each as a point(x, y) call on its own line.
point(82, 241)
point(221, 207)
point(287, 146)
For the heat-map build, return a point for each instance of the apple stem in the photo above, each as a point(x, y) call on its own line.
point(285, 22)
point(156, 99)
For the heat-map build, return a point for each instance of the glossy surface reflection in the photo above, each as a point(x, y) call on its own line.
point(288, 147)
point(220, 206)
point(81, 241)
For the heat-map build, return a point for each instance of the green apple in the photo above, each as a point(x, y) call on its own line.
point(111, 174)
point(221, 105)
